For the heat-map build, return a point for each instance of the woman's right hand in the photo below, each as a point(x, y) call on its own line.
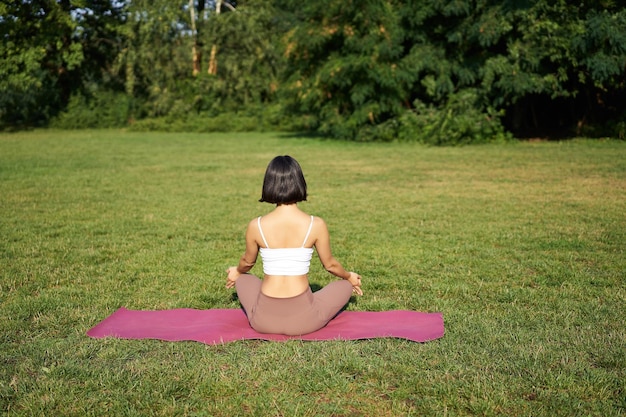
point(355, 280)
point(232, 276)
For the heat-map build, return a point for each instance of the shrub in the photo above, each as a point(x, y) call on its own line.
point(103, 109)
point(253, 118)
point(460, 121)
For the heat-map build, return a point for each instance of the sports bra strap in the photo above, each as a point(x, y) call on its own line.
point(262, 235)
point(308, 232)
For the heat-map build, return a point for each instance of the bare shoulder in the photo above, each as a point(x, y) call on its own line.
point(319, 224)
point(318, 221)
point(253, 228)
point(253, 223)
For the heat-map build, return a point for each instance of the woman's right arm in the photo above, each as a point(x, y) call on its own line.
point(247, 261)
point(332, 265)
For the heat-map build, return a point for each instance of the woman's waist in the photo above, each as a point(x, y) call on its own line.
point(284, 286)
point(289, 305)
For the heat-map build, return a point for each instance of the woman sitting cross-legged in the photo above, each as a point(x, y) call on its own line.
point(283, 302)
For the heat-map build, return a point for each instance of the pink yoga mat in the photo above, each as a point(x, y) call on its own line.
point(226, 325)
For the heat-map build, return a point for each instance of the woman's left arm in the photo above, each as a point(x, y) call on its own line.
point(247, 261)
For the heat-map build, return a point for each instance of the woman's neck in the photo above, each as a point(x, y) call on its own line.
point(287, 207)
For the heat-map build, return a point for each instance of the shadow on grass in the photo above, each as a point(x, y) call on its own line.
point(303, 135)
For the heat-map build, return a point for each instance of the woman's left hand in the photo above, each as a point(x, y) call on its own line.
point(233, 275)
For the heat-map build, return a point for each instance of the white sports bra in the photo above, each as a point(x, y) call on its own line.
point(286, 261)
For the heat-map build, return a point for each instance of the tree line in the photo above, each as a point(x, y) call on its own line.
point(433, 71)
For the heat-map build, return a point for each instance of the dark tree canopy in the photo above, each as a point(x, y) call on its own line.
point(421, 70)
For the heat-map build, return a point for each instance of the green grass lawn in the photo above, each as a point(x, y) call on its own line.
point(520, 246)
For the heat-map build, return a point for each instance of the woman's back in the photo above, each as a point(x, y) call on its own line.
point(286, 250)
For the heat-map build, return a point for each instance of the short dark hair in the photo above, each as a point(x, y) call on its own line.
point(284, 182)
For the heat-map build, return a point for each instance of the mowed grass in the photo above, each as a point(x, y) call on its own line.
point(520, 246)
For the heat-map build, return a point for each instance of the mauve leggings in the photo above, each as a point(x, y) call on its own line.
point(294, 316)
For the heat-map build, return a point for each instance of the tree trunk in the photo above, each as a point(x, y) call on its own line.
point(213, 61)
point(213, 58)
point(196, 52)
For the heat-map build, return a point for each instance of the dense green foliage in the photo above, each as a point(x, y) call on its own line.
point(38, 59)
point(421, 70)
